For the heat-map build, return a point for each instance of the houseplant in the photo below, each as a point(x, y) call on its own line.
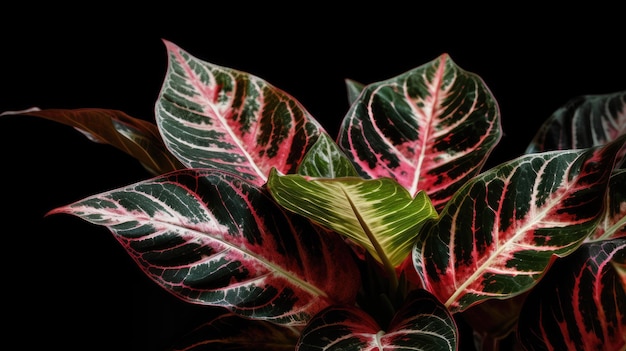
point(305, 241)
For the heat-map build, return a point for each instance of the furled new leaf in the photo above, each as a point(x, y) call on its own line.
point(422, 323)
point(228, 331)
point(499, 233)
point(326, 160)
point(431, 128)
point(378, 214)
point(213, 238)
point(581, 303)
point(585, 121)
point(136, 137)
point(217, 117)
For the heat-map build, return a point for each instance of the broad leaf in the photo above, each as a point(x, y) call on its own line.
point(136, 137)
point(498, 235)
point(213, 238)
point(378, 214)
point(585, 121)
point(228, 331)
point(217, 117)
point(431, 128)
point(581, 303)
point(423, 323)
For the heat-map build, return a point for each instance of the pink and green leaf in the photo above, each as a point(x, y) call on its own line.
point(217, 117)
point(213, 238)
point(377, 214)
point(585, 121)
point(581, 303)
point(431, 128)
point(421, 323)
point(501, 231)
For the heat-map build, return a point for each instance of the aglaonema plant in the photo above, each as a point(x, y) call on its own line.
point(387, 236)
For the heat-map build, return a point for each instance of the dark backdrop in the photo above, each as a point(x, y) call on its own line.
point(69, 284)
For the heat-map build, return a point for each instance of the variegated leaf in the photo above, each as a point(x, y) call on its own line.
point(581, 303)
point(213, 238)
point(326, 160)
point(431, 128)
point(217, 117)
point(378, 214)
point(136, 137)
point(585, 121)
point(228, 331)
point(613, 223)
point(499, 233)
point(422, 323)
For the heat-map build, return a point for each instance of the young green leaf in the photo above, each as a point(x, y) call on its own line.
point(326, 160)
point(378, 214)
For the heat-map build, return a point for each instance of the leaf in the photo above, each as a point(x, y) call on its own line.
point(326, 160)
point(431, 128)
point(228, 331)
point(498, 235)
point(421, 324)
point(378, 214)
point(213, 238)
point(581, 303)
point(585, 121)
point(354, 89)
point(216, 117)
point(613, 223)
point(136, 137)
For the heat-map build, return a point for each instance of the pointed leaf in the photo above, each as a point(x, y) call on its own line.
point(378, 214)
point(499, 233)
point(431, 128)
point(354, 90)
point(581, 304)
point(228, 331)
point(213, 238)
point(326, 160)
point(423, 323)
point(216, 117)
point(585, 121)
point(136, 137)
point(613, 224)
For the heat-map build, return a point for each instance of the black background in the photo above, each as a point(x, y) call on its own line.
point(69, 284)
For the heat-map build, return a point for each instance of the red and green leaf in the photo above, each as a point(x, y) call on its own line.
point(500, 232)
point(431, 128)
point(613, 224)
point(585, 121)
point(217, 117)
point(213, 238)
point(421, 323)
point(228, 331)
point(581, 303)
point(136, 137)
